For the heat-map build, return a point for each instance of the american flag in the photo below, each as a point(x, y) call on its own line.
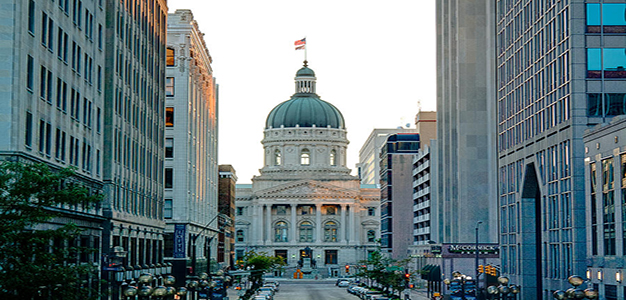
point(300, 44)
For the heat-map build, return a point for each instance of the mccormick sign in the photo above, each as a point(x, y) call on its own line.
point(465, 250)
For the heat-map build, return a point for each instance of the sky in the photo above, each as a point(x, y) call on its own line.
point(374, 60)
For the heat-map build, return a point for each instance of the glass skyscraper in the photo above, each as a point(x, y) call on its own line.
point(559, 70)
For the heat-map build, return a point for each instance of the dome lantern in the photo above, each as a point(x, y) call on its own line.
point(305, 80)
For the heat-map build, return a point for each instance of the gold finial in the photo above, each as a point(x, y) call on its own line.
point(306, 63)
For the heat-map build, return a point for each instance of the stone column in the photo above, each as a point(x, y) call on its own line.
point(268, 224)
point(318, 223)
point(259, 223)
point(354, 229)
point(343, 227)
point(294, 225)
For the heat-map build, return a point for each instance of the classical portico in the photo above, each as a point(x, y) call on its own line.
point(305, 195)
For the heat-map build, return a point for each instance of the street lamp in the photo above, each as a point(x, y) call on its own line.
point(503, 291)
point(476, 250)
point(575, 292)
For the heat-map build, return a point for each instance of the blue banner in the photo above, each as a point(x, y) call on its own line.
point(180, 234)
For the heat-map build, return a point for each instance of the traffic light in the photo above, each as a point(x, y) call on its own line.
point(347, 269)
point(488, 269)
point(407, 279)
point(481, 269)
point(491, 270)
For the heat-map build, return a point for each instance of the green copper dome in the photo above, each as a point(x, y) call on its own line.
point(305, 71)
point(305, 108)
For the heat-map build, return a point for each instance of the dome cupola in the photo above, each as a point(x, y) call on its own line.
point(305, 108)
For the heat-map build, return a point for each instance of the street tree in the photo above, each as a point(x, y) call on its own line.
point(259, 264)
point(387, 272)
point(39, 261)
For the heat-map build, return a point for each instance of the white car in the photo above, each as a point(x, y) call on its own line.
point(343, 283)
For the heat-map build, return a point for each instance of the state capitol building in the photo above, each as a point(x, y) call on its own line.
point(305, 204)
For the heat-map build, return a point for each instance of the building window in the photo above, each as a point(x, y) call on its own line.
point(306, 232)
point(606, 17)
point(333, 157)
point(330, 257)
point(330, 210)
point(169, 86)
point(169, 148)
point(371, 236)
point(169, 178)
point(170, 61)
point(167, 209)
point(169, 117)
point(31, 16)
point(28, 138)
point(371, 211)
point(608, 202)
point(277, 158)
point(606, 62)
point(240, 236)
point(306, 210)
point(610, 104)
point(240, 211)
point(29, 73)
point(281, 210)
point(330, 231)
point(305, 157)
point(280, 232)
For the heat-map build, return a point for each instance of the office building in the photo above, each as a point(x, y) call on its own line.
point(466, 181)
point(226, 237)
point(369, 154)
point(132, 39)
point(51, 95)
point(191, 169)
point(560, 70)
point(396, 193)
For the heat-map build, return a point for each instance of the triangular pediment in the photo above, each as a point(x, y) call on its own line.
point(242, 223)
point(370, 223)
point(306, 189)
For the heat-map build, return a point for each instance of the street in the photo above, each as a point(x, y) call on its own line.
point(312, 290)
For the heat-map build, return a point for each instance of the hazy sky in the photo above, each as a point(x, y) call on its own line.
point(374, 60)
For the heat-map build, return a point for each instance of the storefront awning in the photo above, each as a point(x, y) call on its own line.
point(431, 273)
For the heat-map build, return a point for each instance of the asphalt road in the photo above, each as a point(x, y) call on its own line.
point(312, 290)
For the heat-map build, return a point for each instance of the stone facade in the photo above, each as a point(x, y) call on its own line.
point(191, 169)
point(605, 213)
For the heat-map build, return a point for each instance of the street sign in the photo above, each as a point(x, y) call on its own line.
point(394, 268)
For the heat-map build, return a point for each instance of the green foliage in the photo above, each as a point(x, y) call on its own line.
point(381, 271)
point(37, 262)
point(259, 263)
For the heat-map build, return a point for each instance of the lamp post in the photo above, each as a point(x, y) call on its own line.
point(504, 291)
point(575, 292)
point(476, 250)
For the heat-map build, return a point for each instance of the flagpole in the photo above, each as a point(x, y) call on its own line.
point(305, 49)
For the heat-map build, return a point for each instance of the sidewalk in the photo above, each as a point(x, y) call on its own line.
point(419, 295)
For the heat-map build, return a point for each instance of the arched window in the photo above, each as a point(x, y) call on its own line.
point(169, 57)
point(371, 236)
point(306, 232)
point(280, 232)
point(277, 158)
point(305, 157)
point(333, 157)
point(240, 236)
point(330, 231)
